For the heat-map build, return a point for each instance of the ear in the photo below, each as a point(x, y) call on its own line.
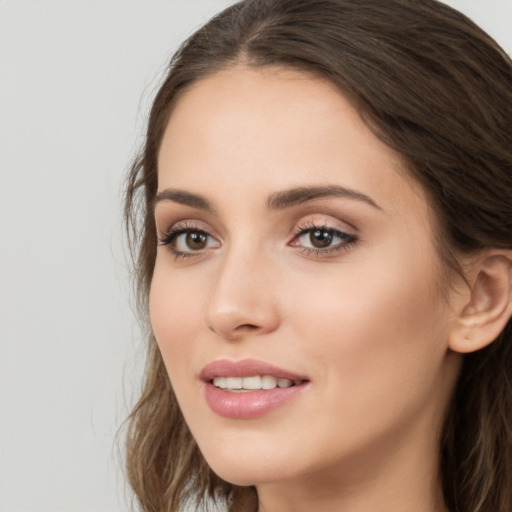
point(487, 306)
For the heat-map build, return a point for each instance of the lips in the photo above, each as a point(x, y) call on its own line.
point(246, 368)
point(249, 389)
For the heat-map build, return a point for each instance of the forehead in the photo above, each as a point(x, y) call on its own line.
point(266, 129)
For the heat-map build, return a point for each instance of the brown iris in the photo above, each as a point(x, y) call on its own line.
point(196, 241)
point(320, 238)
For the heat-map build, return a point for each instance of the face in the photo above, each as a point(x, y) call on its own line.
point(295, 261)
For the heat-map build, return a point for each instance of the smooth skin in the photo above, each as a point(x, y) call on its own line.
point(361, 307)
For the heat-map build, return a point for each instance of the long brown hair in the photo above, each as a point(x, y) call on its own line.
point(437, 89)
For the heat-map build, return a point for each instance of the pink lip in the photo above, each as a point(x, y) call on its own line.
point(245, 368)
point(251, 404)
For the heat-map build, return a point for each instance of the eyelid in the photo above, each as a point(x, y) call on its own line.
point(347, 237)
point(165, 227)
point(326, 221)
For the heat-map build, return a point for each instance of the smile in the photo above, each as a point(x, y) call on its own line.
point(247, 389)
point(254, 383)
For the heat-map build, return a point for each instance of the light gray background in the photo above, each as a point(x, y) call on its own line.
point(76, 79)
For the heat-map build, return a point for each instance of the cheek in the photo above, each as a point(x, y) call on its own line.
point(168, 308)
point(376, 341)
point(377, 326)
point(174, 314)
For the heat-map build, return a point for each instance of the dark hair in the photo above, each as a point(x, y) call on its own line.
point(436, 88)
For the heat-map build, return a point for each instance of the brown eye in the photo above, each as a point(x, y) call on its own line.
point(196, 241)
point(321, 238)
point(184, 241)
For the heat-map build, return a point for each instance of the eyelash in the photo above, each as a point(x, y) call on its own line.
point(180, 229)
point(348, 240)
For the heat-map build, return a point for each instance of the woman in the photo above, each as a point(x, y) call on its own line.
point(324, 205)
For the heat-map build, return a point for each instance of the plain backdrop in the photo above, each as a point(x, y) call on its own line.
point(76, 80)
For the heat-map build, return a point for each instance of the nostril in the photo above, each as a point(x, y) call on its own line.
point(239, 329)
point(246, 327)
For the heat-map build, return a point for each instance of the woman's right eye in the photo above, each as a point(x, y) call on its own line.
point(186, 241)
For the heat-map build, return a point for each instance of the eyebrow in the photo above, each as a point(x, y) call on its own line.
point(276, 201)
point(183, 197)
point(296, 196)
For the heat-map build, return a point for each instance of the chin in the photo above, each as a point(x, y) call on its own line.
point(239, 469)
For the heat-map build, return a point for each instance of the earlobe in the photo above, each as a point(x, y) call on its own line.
point(489, 307)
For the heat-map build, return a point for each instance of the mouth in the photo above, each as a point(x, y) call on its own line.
point(253, 383)
point(249, 389)
point(249, 375)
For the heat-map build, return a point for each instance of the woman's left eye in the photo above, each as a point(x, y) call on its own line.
point(322, 239)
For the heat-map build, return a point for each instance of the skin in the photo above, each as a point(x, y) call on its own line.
point(367, 322)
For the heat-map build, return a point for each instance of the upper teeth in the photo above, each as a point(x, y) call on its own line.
point(251, 383)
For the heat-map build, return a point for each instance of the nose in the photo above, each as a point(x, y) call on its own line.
point(242, 302)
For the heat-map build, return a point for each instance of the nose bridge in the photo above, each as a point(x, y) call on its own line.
point(241, 301)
